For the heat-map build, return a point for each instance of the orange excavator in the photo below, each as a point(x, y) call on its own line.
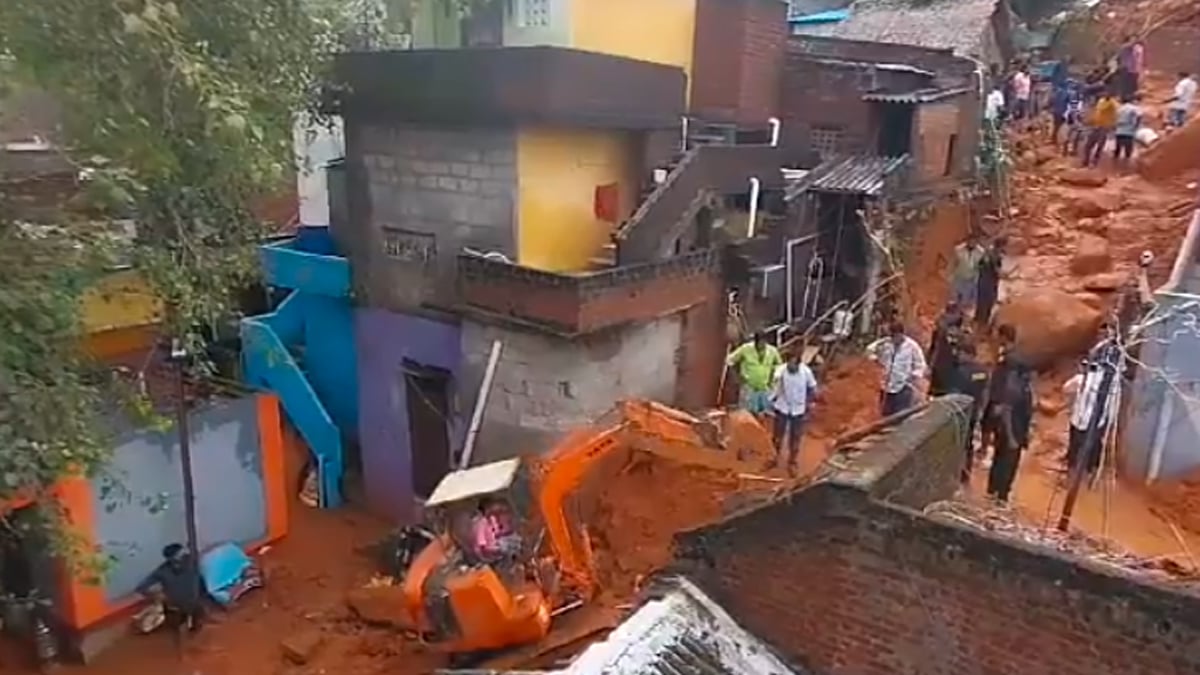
point(470, 598)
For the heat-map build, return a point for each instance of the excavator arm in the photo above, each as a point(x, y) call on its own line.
point(717, 443)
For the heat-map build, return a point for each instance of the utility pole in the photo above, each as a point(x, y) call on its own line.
point(178, 357)
point(1110, 360)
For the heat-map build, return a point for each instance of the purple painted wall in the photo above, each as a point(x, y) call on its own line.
point(384, 339)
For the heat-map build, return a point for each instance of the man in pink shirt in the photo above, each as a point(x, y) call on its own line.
point(1022, 87)
point(492, 531)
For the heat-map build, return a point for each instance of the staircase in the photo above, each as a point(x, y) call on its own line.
point(715, 158)
point(274, 355)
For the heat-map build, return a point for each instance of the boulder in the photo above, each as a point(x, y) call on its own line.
point(1051, 324)
point(1093, 204)
point(1090, 178)
point(300, 647)
point(1104, 283)
point(1092, 256)
point(379, 605)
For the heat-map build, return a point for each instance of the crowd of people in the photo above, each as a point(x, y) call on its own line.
point(1089, 110)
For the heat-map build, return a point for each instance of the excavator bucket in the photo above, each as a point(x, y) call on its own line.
point(730, 442)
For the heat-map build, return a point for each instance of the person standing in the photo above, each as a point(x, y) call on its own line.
point(965, 274)
point(1103, 121)
point(1089, 425)
point(987, 289)
point(794, 389)
point(1180, 105)
point(755, 363)
point(1129, 67)
point(1129, 120)
point(1022, 88)
point(943, 348)
point(993, 110)
point(970, 378)
point(903, 367)
point(1007, 415)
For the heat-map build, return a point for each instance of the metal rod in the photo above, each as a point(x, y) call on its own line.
point(485, 388)
point(755, 188)
point(179, 357)
point(775, 126)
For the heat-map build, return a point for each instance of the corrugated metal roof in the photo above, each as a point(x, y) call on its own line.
point(917, 96)
point(682, 633)
point(891, 67)
point(863, 175)
point(960, 25)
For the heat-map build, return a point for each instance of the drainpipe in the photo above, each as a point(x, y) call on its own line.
point(789, 257)
point(683, 140)
point(485, 388)
point(1160, 435)
point(775, 126)
point(755, 188)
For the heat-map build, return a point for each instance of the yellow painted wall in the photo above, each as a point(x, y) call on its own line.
point(558, 171)
point(119, 300)
point(661, 31)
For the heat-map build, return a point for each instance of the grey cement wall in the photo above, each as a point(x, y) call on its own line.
point(545, 385)
point(417, 197)
point(139, 500)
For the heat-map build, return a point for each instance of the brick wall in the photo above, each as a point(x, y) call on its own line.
point(547, 385)
point(951, 70)
point(416, 197)
point(738, 59)
point(584, 303)
point(936, 129)
point(1174, 49)
point(702, 351)
point(848, 578)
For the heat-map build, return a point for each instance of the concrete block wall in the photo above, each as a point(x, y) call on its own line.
point(547, 385)
point(423, 195)
point(874, 587)
point(937, 124)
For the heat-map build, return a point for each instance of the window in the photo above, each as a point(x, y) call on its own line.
point(950, 154)
point(826, 141)
point(530, 13)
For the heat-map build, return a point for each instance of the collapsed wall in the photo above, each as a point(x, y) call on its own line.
point(849, 577)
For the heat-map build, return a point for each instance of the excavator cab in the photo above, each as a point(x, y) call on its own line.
point(476, 587)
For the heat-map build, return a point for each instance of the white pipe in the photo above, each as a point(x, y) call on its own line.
point(1160, 435)
point(775, 126)
point(683, 146)
point(789, 257)
point(485, 388)
point(755, 188)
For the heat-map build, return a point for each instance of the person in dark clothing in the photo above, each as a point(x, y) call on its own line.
point(1008, 415)
point(943, 349)
point(176, 584)
point(970, 378)
point(988, 282)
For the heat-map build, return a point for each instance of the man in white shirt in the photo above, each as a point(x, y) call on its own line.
point(1022, 87)
point(994, 105)
point(1181, 103)
point(1085, 387)
point(794, 387)
point(903, 367)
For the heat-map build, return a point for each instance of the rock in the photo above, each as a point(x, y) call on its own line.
point(1084, 178)
point(1051, 324)
point(1092, 256)
point(379, 605)
point(1091, 300)
point(300, 648)
point(1093, 204)
point(1104, 283)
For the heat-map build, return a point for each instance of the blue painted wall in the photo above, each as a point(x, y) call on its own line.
point(384, 340)
point(139, 503)
point(330, 359)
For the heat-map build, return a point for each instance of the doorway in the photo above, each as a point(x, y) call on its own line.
point(427, 395)
point(896, 129)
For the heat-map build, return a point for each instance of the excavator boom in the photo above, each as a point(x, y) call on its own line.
point(718, 442)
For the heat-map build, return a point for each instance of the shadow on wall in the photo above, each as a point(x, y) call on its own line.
point(875, 586)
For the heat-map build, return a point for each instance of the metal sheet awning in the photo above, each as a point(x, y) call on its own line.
point(862, 175)
point(917, 96)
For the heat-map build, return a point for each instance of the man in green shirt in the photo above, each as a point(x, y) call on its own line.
point(754, 364)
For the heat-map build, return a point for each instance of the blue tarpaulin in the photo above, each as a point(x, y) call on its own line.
point(832, 16)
